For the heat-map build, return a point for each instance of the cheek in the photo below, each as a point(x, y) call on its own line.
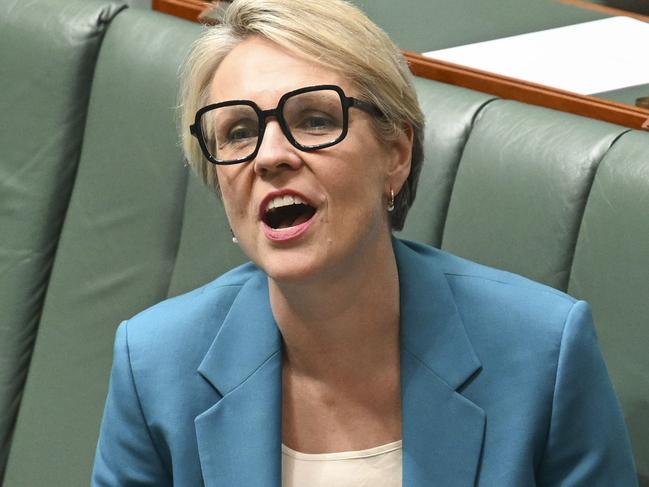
point(357, 194)
point(364, 175)
point(233, 192)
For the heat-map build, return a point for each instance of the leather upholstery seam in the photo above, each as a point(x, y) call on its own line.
point(465, 136)
point(179, 234)
point(591, 183)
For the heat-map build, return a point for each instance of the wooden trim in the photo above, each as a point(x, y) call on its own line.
point(604, 9)
point(185, 9)
point(527, 92)
point(495, 84)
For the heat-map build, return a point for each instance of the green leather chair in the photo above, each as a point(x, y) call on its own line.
point(117, 246)
point(48, 52)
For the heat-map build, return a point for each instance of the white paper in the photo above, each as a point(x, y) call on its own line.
point(587, 58)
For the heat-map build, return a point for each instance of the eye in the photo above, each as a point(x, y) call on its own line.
point(240, 132)
point(316, 122)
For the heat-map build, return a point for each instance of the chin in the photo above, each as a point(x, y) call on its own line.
point(293, 267)
point(316, 256)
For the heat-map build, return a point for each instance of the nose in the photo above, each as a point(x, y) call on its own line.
point(276, 153)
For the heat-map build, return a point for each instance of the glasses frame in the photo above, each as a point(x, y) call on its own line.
point(346, 102)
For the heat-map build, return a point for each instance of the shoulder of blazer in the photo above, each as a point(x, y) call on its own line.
point(457, 268)
point(509, 302)
point(185, 326)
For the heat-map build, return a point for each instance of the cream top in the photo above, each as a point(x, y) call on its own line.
point(376, 467)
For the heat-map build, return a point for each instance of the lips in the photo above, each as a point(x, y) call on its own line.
point(285, 215)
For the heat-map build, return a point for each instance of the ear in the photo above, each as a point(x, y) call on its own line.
point(400, 159)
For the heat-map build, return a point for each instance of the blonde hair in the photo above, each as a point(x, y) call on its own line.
point(334, 34)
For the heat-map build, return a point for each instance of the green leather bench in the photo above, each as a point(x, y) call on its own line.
point(47, 57)
point(556, 197)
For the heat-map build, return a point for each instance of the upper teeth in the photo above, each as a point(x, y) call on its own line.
point(287, 200)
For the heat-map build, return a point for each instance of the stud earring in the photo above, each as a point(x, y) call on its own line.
point(391, 201)
point(235, 240)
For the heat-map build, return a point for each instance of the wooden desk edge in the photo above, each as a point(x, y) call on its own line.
point(527, 92)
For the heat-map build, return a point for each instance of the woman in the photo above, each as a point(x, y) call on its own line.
point(341, 356)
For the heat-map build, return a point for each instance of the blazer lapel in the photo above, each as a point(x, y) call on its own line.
point(239, 437)
point(442, 430)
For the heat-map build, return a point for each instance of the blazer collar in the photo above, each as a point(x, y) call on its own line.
point(431, 327)
point(442, 430)
point(248, 337)
point(239, 437)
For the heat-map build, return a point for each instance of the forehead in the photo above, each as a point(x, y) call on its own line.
point(262, 71)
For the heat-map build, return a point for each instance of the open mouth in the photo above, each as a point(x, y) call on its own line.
point(287, 211)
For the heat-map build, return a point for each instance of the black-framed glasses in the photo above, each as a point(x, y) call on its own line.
point(311, 118)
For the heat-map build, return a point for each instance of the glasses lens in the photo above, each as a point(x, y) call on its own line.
point(315, 118)
point(230, 132)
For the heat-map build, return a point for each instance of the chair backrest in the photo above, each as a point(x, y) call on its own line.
point(117, 248)
point(521, 188)
point(48, 52)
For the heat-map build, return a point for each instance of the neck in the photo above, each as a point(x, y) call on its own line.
point(342, 329)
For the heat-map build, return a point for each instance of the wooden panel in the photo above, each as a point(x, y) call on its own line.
point(502, 86)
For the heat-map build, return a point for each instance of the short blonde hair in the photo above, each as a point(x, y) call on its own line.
point(334, 34)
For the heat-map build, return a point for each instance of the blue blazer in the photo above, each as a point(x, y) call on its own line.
point(502, 384)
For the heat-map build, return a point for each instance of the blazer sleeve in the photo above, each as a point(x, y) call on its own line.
point(126, 455)
point(587, 443)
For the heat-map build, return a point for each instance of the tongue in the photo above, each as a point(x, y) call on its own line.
point(301, 219)
point(293, 222)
